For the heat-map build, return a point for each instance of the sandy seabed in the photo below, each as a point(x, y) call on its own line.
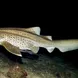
point(43, 67)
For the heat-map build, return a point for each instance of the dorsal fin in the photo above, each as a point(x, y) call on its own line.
point(48, 37)
point(35, 30)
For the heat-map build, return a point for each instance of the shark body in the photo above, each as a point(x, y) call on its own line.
point(16, 39)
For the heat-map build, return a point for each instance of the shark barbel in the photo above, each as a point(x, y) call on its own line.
point(17, 39)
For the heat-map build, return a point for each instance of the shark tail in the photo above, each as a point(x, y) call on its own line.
point(63, 45)
point(66, 45)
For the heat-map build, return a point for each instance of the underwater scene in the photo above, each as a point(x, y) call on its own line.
point(35, 52)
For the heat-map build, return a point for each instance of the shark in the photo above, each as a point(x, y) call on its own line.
point(16, 39)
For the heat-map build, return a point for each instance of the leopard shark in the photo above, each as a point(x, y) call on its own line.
point(16, 39)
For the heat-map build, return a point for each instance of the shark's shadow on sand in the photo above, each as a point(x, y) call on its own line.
point(70, 57)
point(25, 54)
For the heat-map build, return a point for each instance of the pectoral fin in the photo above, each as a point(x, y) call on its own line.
point(11, 48)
